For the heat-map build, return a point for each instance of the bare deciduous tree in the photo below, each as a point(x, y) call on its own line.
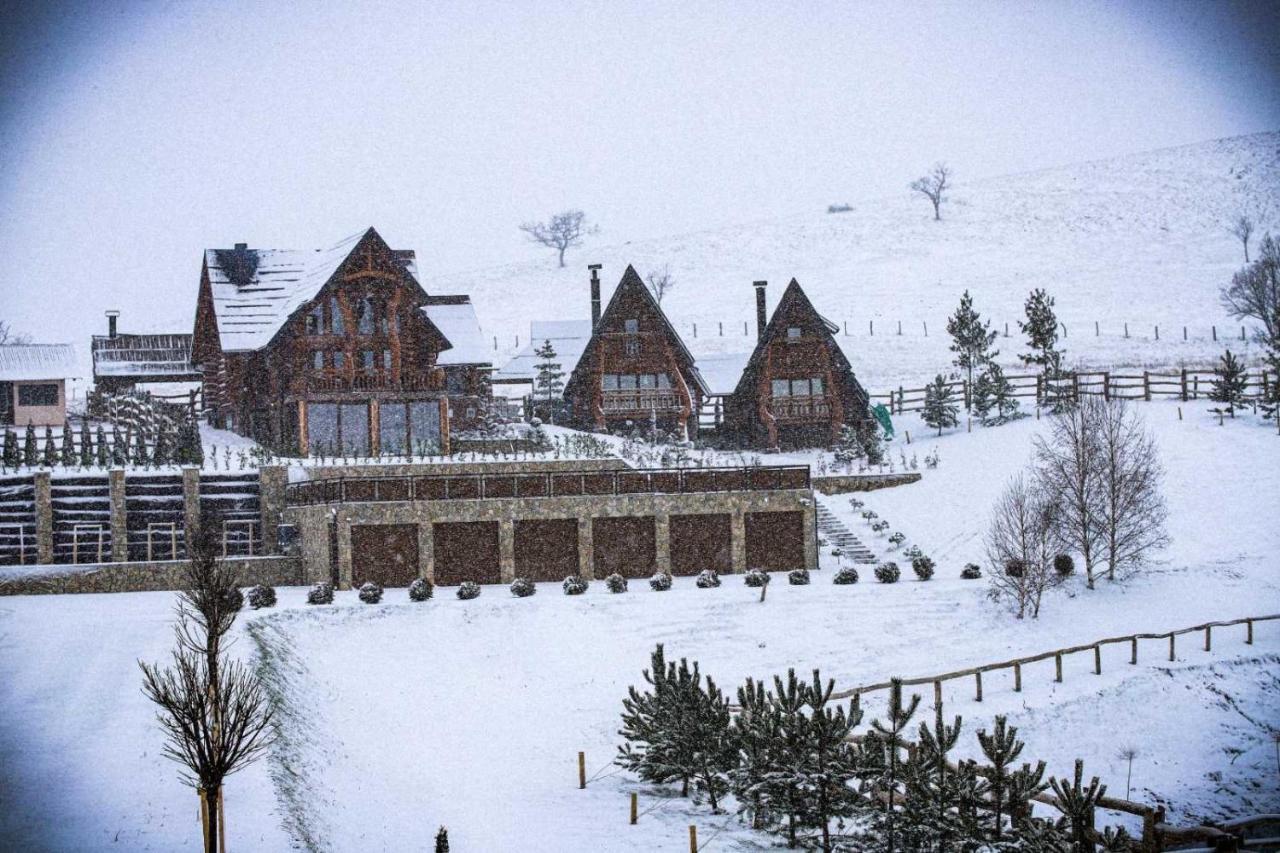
point(7, 335)
point(1021, 544)
point(1131, 511)
point(661, 281)
point(1068, 465)
point(1254, 292)
point(561, 232)
point(1242, 227)
point(214, 712)
point(934, 186)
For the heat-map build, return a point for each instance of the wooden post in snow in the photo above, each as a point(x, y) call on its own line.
point(582, 770)
point(1172, 641)
point(1097, 660)
point(1057, 666)
point(1208, 639)
point(693, 839)
point(977, 682)
point(634, 808)
point(1133, 651)
point(937, 694)
point(1017, 678)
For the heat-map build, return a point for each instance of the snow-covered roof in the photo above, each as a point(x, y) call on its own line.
point(37, 361)
point(722, 370)
point(132, 355)
point(455, 317)
point(569, 338)
point(276, 282)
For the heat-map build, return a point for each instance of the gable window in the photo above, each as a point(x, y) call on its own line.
point(609, 382)
point(631, 326)
point(664, 381)
point(365, 325)
point(781, 388)
point(339, 360)
point(315, 320)
point(626, 382)
point(386, 359)
point(335, 316)
point(799, 387)
point(631, 346)
point(793, 333)
point(366, 359)
point(815, 386)
point(44, 394)
point(317, 360)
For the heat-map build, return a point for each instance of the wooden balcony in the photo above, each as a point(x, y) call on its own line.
point(375, 380)
point(640, 402)
point(814, 408)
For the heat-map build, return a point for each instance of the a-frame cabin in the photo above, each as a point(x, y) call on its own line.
point(797, 389)
point(635, 372)
point(337, 351)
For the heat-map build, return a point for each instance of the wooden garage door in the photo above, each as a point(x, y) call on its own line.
point(465, 551)
point(624, 545)
point(384, 553)
point(775, 540)
point(546, 550)
point(701, 542)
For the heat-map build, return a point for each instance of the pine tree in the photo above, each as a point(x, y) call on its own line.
point(119, 447)
point(1229, 383)
point(971, 338)
point(140, 454)
point(86, 444)
point(860, 440)
point(758, 728)
point(1002, 748)
point(442, 841)
point(11, 456)
point(1077, 802)
point(940, 409)
point(993, 400)
point(549, 380)
point(50, 456)
point(68, 454)
point(30, 455)
point(1041, 329)
point(889, 743)
point(832, 762)
point(100, 443)
point(934, 814)
point(161, 454)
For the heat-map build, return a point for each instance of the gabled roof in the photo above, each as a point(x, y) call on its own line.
point(145, 357)
point(722, 370)
point(569, 338)
point(632, 284)
point(793, 298)
point(455, 318)
point(255, 291)
point(20, 362)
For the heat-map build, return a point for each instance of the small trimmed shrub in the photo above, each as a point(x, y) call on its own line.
point(661, 582)
point(869, 514)
point(971, 572)
point(707, 579)
point(798, 577)
point(1015, 568)
point(923, 567)
point(321, 593)
point(847, 575)
point(897, 538)
point(757, 578)
point(262, 596)
point(1064, 565)
point(420, 590)
point(523, 588)
point(880, 526)
point(912, 552)
point(615, 583)
point(574, 585)
point(235, 598)
point(468, 590)
point(837, 553)
point(856, 503)
point(888, 573)
point(370, 592)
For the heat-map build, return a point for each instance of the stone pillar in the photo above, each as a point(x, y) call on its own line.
point(426, 550)
point(586, 557)
point(271, 503)
point(44, 518)
point(810, 533)
point(313, 535)
point(190, 504)
point(119, 517)
point(344, 552)
point(662, 542)
point(507, 550)
point(738, 541)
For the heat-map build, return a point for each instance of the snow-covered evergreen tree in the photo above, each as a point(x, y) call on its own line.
point(1041, 329)
point(67, 455)
point(140, 454)
point(993, 400)
point(549, 380)
point(86, 444)
point(1229, 383)
point(50, 456)
point(940, 409)
point(30, 455)
point(101, 450)
point(971, 338)
point(12, 458)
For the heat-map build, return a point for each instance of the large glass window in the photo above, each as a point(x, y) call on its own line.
point(366, 359)
point(322, 428)
point(815, 386)
point(335, 316)
point(386, 359)
point(626, 382)
point(335, 428)
point(609, 382)
point(799, 387)
point(393, 428)
point(317, 359)
point(355, 427)
point(664, 381)
point(648, 380)
point(424, 426)
point(44, 394)
point(781, 388)
point(339, 360)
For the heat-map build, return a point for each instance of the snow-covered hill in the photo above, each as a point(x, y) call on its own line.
point(1140, 239)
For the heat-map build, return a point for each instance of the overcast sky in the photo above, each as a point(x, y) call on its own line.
point(133, 135)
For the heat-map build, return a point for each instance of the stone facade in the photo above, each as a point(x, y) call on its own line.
point(140, 576)
point(839, 484)
point(427, 469)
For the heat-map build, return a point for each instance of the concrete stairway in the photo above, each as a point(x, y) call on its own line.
point(837, 535)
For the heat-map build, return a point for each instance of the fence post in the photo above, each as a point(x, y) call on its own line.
point(1184, 385)
point(721, 323)
point(582, 770)
point(1215, 333)
point(634, 808)
point(901, 400)
point(1097, 660)
point(872, 327)
point(1184, 333)
point(926, 328)
point(1017, 678)
point(1106, 384)
point(693, 839)
point(695, 330)
point(977, 680)
point(1133, 651)
point(937, 694)
point(1126, 330)
point(1096, 332)
point(899, 327)
point(1208, 638)
point(1057, 666)
point(1146, 386)
point(1075, 387)
point(1248, 637)
point(1172, 639)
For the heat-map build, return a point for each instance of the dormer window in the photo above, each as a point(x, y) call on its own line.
point(315, 320)
point(335, 316)
point(631, 326)
point(793, 333)
point(365, 325)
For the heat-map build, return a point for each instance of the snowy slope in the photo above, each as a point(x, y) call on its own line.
point(1139, 239)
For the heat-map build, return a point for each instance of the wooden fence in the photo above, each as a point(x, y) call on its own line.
point(1186, 384)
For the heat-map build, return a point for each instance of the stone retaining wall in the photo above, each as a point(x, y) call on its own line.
point(839, 484)
point(426, 469)
point(139, 577)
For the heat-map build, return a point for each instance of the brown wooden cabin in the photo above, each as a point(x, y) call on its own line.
point(797, 389)
point(635, 371)
point(335, 351)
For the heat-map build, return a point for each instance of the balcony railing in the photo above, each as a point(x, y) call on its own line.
point(800, 408)
point(641, 401)
point(378, 380)
point(623, 481)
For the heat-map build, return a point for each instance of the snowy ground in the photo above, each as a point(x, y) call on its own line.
point(402, 717)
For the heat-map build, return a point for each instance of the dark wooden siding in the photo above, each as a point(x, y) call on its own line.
point(384, 553)
point(775, 540)
point(701, 542)
point(624, 545)
point(466, 551)
point(546, 550)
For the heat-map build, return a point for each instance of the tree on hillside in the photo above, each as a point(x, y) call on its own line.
point(940, 409)
point(1230, 381)
point(1068, 459)
point(934, 186)
point(1130, 508)
point(661, 281)
point(561, 232)
point(993, 399)
point(1242, 227)
point(549, 379)
point(1254, 292)
point(1041, 329)
point(7, 335)
point(971, 338)
point(1270, 403)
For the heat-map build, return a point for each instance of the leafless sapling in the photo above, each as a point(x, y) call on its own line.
point(1254, 292)
point(1021, 543)
point(661, 281)
point(1131, 507)
point(934, 186)
point(8, 336)
point(1242, 228)
point(1068, 465)
point(561, 232)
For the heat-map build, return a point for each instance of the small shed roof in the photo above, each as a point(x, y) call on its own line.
point(569, 338)
point(37, 361)
point(455, 317)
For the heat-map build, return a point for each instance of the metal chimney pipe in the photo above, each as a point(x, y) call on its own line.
point(595, 295)
point(761, 322)
point(112, 316)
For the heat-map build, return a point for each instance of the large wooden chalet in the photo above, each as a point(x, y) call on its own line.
point(635, 372)
point(797, 389)
point(335, 351)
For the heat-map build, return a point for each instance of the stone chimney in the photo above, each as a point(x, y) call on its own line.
point(112, 317)
point(595, 295)
point(761, 320)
